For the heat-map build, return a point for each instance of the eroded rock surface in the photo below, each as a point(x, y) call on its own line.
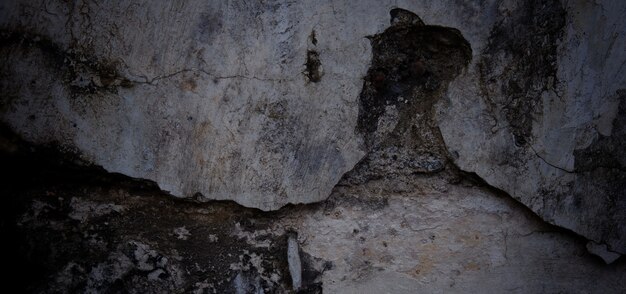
point(273, 103)
point(541, 97)
point(412, 64)
point(222, 101)
point(405, 234)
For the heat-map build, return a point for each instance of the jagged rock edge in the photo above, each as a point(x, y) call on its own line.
point(62, 156)
point(73, 154)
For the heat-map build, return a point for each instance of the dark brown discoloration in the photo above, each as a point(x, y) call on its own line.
point(81, 73)
point(519, 63)
point(313, 65)
point(411, 67)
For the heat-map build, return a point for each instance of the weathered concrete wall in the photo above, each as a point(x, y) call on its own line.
point(252, 102)
point(537, 114)
point(202, 97)
point(269, 103)
point(418, 233)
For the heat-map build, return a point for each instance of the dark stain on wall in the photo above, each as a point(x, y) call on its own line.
point(81, 72)
point(313, 65)
point(411, 67)
point(520, 62)
point(601, 181)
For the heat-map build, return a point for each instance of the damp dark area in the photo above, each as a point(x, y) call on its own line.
point(520, 63)
point(602, 170)
point(69, 226)
point(80, 71)
point(411, 67)
point(313, 65)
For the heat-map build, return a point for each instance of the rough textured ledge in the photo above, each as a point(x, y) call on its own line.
point(274, 103)
point(72, 228)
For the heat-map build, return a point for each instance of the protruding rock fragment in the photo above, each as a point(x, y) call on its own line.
point(602, 251)
point(293, 257)
point(400, 17)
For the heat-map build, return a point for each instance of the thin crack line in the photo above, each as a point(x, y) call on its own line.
point(152, 81)
point(550, 164)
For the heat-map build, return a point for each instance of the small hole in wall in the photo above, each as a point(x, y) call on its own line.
point(519, 141)
point(313, 66)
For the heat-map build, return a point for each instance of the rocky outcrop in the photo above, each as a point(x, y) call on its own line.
point(403, 234)
point(543, 93)
point(274, 103)
point(235, 102)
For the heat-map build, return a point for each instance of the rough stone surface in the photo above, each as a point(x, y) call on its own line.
point(412, 64)
point(541, 97)
point(602, 251)
point(259, 103)
point(412, 233)
point(223, 100)
point(418, 118)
